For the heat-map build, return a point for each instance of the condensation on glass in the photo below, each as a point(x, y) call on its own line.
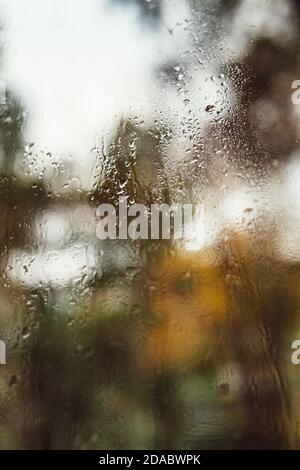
point(149, 344)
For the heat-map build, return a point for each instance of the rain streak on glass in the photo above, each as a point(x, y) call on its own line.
point(149, 343)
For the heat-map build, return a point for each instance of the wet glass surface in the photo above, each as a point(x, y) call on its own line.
point(149, 342)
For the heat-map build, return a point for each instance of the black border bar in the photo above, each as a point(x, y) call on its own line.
point(136, 459)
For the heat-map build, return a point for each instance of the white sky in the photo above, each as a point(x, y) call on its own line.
point(77, 64)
